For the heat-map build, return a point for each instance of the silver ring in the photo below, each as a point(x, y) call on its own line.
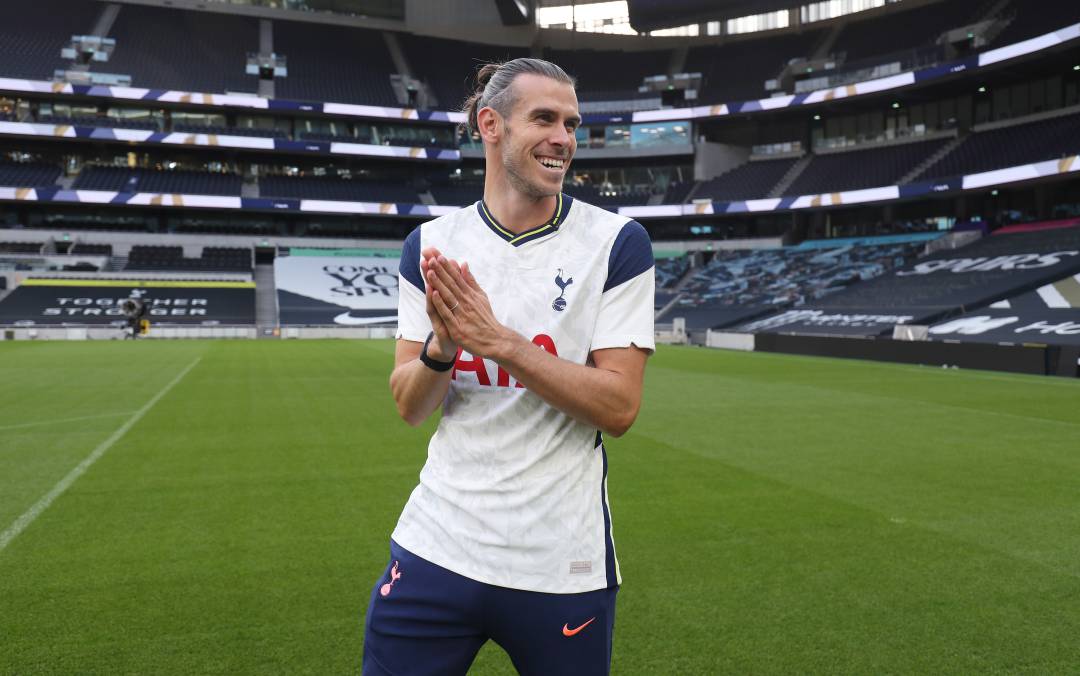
point(455, 306)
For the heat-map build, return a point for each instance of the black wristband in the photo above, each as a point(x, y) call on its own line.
point(434, 364)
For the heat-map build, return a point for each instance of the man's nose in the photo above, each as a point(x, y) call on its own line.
point(561, 137)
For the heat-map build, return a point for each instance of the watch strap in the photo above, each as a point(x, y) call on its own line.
point(434, 364)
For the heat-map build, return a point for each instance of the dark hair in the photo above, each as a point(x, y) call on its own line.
point(493, 86)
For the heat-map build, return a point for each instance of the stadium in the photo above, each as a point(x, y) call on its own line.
point(858, 447)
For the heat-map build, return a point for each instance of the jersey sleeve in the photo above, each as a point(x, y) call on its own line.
point(627, 305)
point(413, 322)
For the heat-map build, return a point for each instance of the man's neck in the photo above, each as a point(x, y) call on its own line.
point(513, 210)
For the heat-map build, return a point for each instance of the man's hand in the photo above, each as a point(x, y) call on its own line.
point(606, 395)
point(462, 306)
point(442, 347)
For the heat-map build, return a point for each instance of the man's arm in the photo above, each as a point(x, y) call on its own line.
point(607, 396)
point(417, 389)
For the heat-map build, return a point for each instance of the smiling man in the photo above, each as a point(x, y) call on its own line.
point(528, 318)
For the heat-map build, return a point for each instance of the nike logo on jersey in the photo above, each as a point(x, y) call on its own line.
point(567, 631)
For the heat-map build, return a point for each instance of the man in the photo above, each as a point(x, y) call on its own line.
point(528, 317)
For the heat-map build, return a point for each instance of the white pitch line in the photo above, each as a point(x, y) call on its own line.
point(65, 420)
point(41, 505)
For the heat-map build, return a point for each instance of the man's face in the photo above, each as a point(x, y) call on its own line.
point(538, 141)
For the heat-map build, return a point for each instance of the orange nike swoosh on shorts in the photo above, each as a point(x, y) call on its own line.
point(567, 631)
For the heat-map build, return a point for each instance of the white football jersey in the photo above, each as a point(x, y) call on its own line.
point(514, 492)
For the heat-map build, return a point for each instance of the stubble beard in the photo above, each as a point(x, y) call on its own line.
point(516, 174)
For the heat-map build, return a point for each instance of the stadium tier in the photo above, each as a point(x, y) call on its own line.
point(448, 67)
point(99, 121)
point(1010, 146)
point(738, 284)
point(752, 180)
point(258, 132)
point(977, 274)
point(28, 174)
point(738, 71)
point(668, 273)
point(174, 49)
point(610, 75)
point(171, 258)
point(158, 181)
point(334, 63)
point(32, 33)
point(906, 30)
point(321, 188)
point(1027, 20)
point(866, 168)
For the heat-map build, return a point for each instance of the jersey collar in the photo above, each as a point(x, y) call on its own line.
point(562, 208)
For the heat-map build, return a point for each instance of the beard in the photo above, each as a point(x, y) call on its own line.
point(516, 173)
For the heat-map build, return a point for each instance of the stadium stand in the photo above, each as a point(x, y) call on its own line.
point(334, 63)
point(737, 285)
point(21, 247)
point(28, 174)
point(32, 32)
point(601, 198)
point(748, 181)
point(862, 168)
point(447, 67)
point(91, 249)
point(173, 49)
point(213, 259)
point(980, 273)
point(738, 71)
point(158, 181)
point(363, 135)
point(901, 31)
point(99, 121)
point(1030, 19)
point(678, 191)
point(670, 270)
point(324, 188)
point(262, 132)
point(609, 75)
point(457, 194)
point(1009, 146)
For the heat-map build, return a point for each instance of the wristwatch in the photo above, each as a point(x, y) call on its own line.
point(434, 364)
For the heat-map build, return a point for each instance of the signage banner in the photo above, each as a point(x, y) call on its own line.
point(338, 290)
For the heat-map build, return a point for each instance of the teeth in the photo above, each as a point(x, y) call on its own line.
point(550, 162)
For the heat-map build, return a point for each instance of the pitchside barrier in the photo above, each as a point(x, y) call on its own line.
point(1031, 358)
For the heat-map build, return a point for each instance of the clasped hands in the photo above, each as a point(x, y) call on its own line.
point(459, 310)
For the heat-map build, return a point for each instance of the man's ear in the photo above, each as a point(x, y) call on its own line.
point(489, 124)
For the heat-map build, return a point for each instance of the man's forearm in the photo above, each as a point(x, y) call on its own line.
point(601, 398)
point(418, 390)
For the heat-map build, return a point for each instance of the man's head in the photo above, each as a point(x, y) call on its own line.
point(526, 112)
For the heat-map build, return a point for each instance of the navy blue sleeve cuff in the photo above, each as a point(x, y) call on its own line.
point(410, 260)
point(631, 255)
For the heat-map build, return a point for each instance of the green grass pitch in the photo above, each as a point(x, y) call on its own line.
point(773, 514)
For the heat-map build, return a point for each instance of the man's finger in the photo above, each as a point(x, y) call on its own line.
point(430, 252)
point(450, 276)
point(444, 312)
point(467, 274)
point(437, 286)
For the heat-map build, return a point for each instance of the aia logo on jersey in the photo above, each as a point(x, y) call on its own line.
point(559, 304)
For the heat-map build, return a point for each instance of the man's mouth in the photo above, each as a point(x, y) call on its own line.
point(548, 162)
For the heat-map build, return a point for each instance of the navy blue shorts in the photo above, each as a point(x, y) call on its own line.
point(425, 619)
